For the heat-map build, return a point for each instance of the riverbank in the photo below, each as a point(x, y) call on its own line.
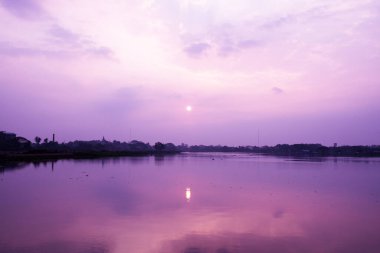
point(54, 156)
point(31, 157)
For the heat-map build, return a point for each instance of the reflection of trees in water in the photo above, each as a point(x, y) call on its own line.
point(249, 242)
point(14, 165)
point(9, 166)
point(161, 159)
point(104, 161)
point(60, 247)
point(37, 164)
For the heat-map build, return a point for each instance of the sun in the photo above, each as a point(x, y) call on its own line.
point(189, 108)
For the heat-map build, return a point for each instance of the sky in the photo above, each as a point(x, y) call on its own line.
point(253, 72)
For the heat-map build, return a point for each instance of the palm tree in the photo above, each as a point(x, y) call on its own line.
point(37, 140)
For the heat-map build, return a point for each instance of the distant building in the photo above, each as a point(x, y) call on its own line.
point(7, 136)
point(12, 142)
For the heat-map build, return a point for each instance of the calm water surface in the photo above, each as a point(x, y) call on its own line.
point(192, 203)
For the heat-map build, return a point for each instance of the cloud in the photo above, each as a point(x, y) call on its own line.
point(226, 39)
point(27, 9)
point(224, 46)
point(104, 52)
point(311, 14)
point(226, 50)
point(63, 35)
point(229, 36)
point(248, 44)
point(277, 90)
point(197, 49)
point(278, 22)
point(61, 43)
point(6, 49)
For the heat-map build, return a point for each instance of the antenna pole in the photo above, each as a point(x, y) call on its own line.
point(258, 137)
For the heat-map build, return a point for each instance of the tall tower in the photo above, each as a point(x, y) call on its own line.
point(258, 137)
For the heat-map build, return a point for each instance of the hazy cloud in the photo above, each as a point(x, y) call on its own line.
point(100, 51)
point(28, 9)
point(276, 23)
point(7, 49)
point(63, 35)
point(277, 90)
point(62, 43)
point(226, 39)
point(248, 44)
point(226, 50)
point(197, 49)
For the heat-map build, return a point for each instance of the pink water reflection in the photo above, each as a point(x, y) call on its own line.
point(192, 203)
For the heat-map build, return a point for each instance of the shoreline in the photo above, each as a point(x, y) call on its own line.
point(36, 157)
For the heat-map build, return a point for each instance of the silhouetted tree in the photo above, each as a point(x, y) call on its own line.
point(37, 140)
point(46, 140)
point(159, 146)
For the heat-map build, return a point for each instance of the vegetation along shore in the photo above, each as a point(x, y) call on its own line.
point(13, 147)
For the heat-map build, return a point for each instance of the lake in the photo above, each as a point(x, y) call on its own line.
point(192, 203)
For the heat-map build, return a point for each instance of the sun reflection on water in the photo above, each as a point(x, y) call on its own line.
point(188, 194)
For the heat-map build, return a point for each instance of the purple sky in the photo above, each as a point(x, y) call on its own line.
point(300, 71)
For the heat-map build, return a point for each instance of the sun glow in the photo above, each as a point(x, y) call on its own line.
point(189, 108)
point(188, 194)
